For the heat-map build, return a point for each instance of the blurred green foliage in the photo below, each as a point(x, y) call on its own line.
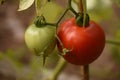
point(116, 49)
point(117, 2)
point(100, 13)
point(34, 66)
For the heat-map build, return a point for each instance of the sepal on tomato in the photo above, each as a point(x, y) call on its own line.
point(40, 21)
point(63, 50)
point(80, 19)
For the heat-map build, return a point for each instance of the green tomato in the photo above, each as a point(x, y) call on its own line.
point(41, 40)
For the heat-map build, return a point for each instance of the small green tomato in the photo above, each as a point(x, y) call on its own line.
point(40, 40)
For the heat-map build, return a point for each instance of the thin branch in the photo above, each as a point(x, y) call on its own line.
point(115, 42)
point(81, 6)
point(85, 72)
point(84, 12)
point(60, 66)
point(62, 16)
point(70, 7)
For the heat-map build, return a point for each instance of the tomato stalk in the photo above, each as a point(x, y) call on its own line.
point(70, 7)
point(40, 21)
point(83, 18)
point(81, 6)
point(85, 68)
point(84, 72)
point(60, 66)
point(84, 12)
point(115, 42)
point(56, 24)
point(62, 17)
point(51, 24)
point(81, 21)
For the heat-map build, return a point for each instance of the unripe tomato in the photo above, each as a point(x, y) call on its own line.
point(40, 39)
point(85, 44)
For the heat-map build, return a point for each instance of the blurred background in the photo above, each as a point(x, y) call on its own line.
point(18, 63)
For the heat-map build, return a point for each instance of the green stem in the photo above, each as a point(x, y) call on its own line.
point(81, 6)
point(84, 12)
point(60, 66)
point(70, 7)
point(115, 42)
point(62, 17)
point(51, 24)
point(84, 68)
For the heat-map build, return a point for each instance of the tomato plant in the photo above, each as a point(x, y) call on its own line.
point(79, 40)
point(84, 44)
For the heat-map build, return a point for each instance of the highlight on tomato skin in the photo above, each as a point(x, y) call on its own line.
point(85, 43)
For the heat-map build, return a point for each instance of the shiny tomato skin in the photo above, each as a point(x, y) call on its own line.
point(85, 43)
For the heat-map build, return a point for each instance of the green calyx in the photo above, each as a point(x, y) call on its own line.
point(40, 21)
point(80, 20)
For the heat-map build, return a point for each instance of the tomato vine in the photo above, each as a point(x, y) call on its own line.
point(82, 20)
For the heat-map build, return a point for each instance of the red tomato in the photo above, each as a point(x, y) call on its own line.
point(85, 44)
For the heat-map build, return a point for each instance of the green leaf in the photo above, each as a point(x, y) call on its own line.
point(39, 4)
point(117, 2)
point(25, 4)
